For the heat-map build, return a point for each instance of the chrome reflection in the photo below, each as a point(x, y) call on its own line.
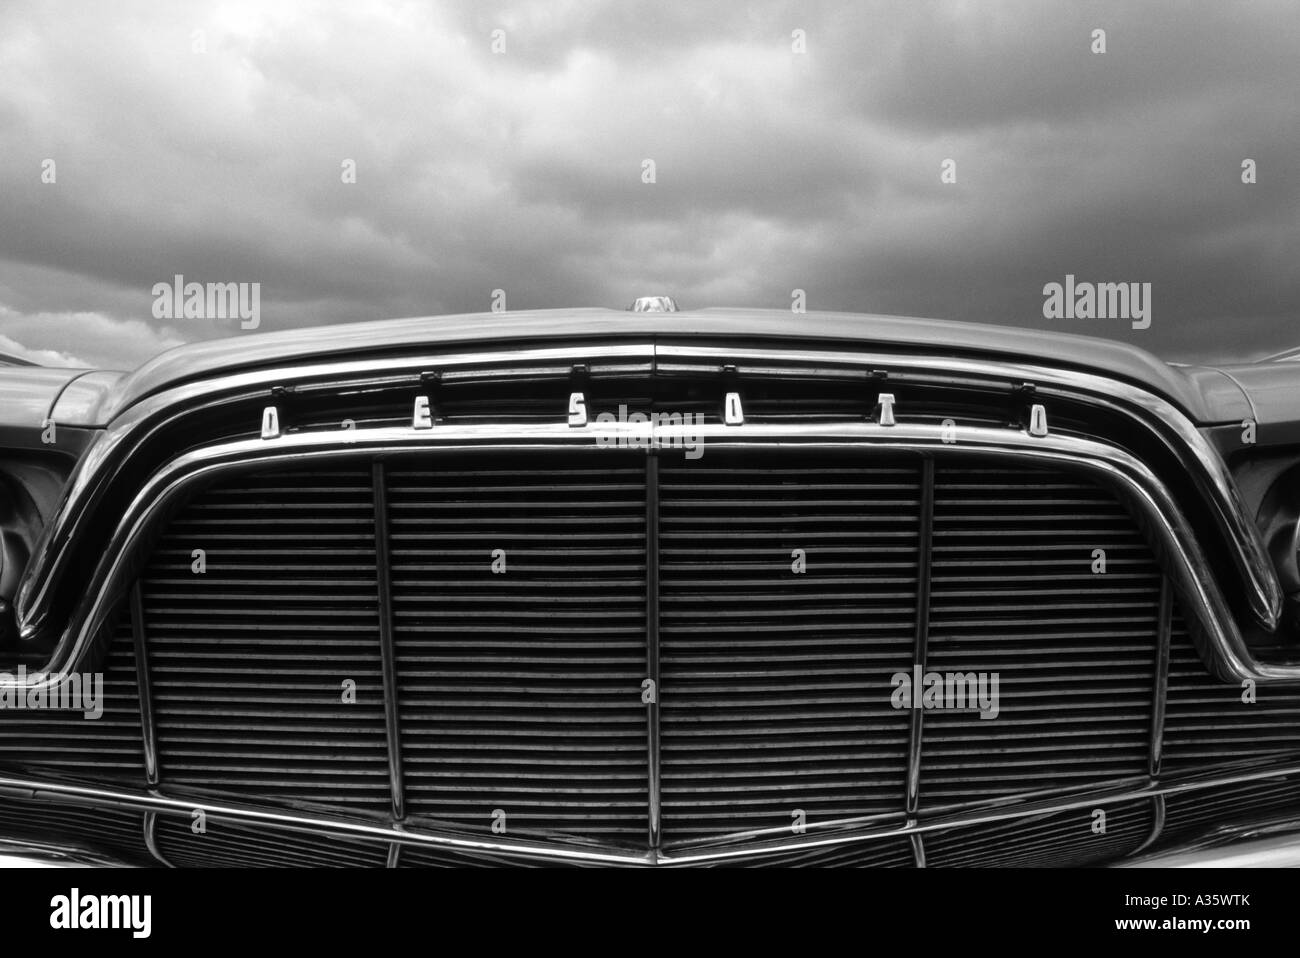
point(1186, 564)
point(106, 457)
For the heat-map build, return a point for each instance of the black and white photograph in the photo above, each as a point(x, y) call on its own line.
point(608, 437)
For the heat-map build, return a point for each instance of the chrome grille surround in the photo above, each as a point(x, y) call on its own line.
point(1226, 649)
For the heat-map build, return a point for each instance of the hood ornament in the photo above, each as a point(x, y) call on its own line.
point(654, 304)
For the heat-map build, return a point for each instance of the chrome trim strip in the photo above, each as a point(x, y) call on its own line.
point(387, 649)
point(96, 469)
point(1208, 470)
point(80, 398)
point(151, 838)
point(144, 688)
point(37, 790)
point(921, 640)
point(855, 831)
point(1234, 661)
point(1160, 698)
point(1158, 812)
point(918, 850)
point(654, 814)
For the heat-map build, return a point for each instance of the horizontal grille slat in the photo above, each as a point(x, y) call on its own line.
point(1074, 654)
point(775, 697)
point(68, 741)
point(1064, 839)
point(520, 684)
point(113, 832)
point(225, 843)
point(876, 853)
point(1191, 815)
point(249, 671)
point(1210, 721)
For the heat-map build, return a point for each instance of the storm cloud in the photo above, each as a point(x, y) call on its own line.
point(211, 140)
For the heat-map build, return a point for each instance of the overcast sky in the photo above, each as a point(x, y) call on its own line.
point(208, 139)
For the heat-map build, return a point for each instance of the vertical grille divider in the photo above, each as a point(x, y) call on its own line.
point(1159, 702)
point(151, 839)
point(652, 644)
point(918, 849)
point(1157, 825)
point(388, 655)
point(925, 546)
point(1160, 695)
point(148, 734)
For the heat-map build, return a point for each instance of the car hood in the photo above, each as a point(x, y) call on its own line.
point(1205, 394)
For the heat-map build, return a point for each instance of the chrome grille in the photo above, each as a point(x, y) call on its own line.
point(775, 682)
point(1212, 722)
point(1013, 591)
point(248, 659)
point(519, 692)
point(106, 748)
point(519, 687)
point(522, 692)
point(1057, 840)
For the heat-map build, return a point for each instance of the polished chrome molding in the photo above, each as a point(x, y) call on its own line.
point(1205, 466)
point(1231, 658)
point(98, 468)
point(387, 648)
point(921, 635)
point(112, 448)
point(1159, 812)
point(918, 850)
point(151, 839)
point(82, 396)
point(654, 778)
point(156, 803)
point(144, 688)
point(561, 851)
point(1160, 700)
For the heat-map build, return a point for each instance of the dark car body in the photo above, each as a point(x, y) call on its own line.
point(445, 590)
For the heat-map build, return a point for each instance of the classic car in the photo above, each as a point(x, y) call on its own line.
point(454, 591)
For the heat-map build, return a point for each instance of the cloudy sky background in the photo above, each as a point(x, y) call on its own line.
point(522, 170)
